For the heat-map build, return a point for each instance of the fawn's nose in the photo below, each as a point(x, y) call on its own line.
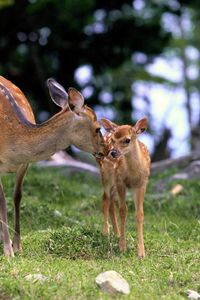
point(114, 153)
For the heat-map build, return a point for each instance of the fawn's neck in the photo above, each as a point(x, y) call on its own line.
point(133, 158)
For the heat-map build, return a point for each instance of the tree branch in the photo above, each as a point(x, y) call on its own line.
point(177, 162)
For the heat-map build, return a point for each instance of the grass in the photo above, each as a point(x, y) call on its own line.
point(61, 234)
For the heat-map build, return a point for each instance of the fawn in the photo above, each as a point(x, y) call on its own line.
point(23, 141)
point(126, 165)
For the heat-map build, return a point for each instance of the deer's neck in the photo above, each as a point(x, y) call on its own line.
point(42, 141)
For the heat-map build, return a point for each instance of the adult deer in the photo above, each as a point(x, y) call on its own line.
point(127, 165)
point(23, 141)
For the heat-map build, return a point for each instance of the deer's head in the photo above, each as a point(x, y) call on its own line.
point(122, 138)
point(85, 131)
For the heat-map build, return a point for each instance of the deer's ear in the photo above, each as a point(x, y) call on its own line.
point(108, 125)
point(141, 125)
point(57, 93)
point(76, 100)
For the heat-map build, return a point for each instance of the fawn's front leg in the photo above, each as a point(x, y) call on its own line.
point(139, 214)
point(113, 215)
point(106, 206)
point(121, 189)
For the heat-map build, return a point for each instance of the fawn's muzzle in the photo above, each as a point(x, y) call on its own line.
point(114, 153)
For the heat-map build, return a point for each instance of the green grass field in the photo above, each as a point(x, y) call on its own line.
point(70, 250)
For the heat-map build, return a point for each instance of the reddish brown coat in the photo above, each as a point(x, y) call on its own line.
point(127, 165)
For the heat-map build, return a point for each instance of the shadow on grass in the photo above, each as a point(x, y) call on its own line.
point(81, 243)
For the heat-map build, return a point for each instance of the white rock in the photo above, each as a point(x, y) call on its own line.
point(112, 282)
point(193, 294)
point(57, 213)
point(36, 277)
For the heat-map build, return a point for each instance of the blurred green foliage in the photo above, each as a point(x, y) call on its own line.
point(52, 38)
point(6, 3)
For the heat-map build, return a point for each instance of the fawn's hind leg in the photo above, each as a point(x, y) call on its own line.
point(139, 214)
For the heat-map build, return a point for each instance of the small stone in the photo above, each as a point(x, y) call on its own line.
point(57, 213)
point(176, 189)
point(180, 176)
point(112, 282)
point(36, 277)
point(193, 294)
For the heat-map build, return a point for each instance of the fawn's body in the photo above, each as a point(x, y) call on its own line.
point(22, 141)
point(126, 166)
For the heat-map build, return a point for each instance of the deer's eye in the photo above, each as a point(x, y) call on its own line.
point(127, 141)
point(97, 130)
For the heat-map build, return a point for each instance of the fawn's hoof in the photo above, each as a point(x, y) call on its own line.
point(122, 245)
point(141, 253)
point(117, 233)
point(106, 231)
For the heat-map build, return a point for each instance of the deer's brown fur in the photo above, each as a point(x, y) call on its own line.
point(23, 141)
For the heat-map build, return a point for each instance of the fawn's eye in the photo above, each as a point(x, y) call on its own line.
point(127, 141)
point(97, 130)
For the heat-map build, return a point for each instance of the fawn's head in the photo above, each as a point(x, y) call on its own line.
point(85, 133)
point(122, 138)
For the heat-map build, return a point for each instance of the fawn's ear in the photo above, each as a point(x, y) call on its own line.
point(108, 125)
point(57, 93)
point(76, 100)
point(141, 125)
